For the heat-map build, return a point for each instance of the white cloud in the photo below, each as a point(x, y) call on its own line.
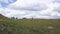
point(32, 8)
point(28, 3)
point(4, 1)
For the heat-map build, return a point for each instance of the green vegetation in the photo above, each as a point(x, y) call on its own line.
point(29, 26)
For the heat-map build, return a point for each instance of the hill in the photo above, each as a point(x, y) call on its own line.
point(3, 17)
point(29, 26)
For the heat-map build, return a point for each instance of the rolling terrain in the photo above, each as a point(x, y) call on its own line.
point(29, 26)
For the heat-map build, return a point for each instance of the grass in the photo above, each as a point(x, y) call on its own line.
point(32, 26)
point(29, 26)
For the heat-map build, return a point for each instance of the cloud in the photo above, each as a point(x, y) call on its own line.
point(32, 8)
point(57, 8)
point(6, 1)
point(58, 1)
point(35, 7)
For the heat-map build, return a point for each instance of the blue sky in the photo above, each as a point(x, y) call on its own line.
point(30, 8)
point(7, 2)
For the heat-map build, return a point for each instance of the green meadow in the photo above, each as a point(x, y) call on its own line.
point(29, 26)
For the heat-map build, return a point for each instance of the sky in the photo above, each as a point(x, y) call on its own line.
point(46, 9)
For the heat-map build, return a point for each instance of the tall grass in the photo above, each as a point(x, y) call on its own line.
point(29, 26)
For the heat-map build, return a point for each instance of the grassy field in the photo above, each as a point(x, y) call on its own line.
point(29, 26)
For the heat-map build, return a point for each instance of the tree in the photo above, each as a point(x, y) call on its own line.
point(24, 18)
point(13, 18)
